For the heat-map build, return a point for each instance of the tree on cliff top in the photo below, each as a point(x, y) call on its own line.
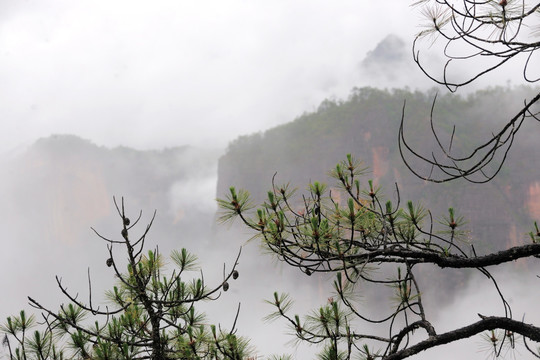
point(151, 314)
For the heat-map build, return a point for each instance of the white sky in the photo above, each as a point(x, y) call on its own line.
point(160, 73)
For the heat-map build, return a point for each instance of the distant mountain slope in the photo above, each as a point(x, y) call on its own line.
point(59, 187)
point(366, 125)
point(66, 183)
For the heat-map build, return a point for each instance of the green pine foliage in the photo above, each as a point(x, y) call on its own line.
point(152, 313)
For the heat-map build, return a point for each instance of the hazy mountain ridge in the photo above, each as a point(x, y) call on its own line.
point(72, 181)
point(366, 125)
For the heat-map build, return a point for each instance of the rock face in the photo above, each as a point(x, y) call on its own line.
point(500, 213)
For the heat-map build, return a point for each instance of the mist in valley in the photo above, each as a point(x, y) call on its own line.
point(142, 102)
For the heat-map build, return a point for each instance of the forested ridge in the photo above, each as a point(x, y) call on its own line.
point(366, 125)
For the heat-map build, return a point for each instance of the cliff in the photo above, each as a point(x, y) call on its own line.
point(366, 125)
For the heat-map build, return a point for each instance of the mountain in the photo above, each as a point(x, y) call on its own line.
point(65, 182)
point(500, 213)
point(367, 124)
point(388, 61)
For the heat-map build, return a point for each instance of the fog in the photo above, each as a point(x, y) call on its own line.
point(169, 73)
point(51, 201)
point(140, 81)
